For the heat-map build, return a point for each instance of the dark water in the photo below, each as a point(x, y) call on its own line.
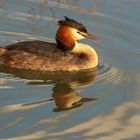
point(99, 105)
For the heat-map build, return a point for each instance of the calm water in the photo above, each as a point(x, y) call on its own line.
point(99, 105)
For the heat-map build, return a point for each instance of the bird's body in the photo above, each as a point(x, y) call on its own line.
point(66, 54)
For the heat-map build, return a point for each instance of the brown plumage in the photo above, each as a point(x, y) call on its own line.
point(39, 55)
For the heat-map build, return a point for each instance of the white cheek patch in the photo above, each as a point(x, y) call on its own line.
point(77, 35)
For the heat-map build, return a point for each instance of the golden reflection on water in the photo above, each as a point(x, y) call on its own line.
point(64, 95)
point(113, 127)
point(4, 83)
point(67, 98)
point(102, 127)
point(64, 90)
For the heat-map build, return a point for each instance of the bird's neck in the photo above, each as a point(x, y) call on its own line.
point(64, 38)
point(88, 52)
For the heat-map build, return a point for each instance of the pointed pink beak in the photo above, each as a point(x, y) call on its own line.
point(87, 35)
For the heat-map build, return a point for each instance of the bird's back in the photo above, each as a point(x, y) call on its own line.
point(39, 55)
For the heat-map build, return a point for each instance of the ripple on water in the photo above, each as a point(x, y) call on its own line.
point(109, 75)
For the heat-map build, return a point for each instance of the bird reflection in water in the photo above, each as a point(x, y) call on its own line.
point(67, 98)
point(65, 84)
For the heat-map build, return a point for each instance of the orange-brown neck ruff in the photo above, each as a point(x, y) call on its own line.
point(64, 38)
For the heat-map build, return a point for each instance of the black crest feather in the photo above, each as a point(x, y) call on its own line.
point(72, 23)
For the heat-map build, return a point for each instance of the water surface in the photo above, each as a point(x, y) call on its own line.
point(102, 104)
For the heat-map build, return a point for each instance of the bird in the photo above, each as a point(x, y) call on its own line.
point(66, 54)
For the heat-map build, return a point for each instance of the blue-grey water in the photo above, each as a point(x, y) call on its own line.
point(90, 105)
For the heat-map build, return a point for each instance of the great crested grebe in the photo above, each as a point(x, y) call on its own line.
point(66, 54)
